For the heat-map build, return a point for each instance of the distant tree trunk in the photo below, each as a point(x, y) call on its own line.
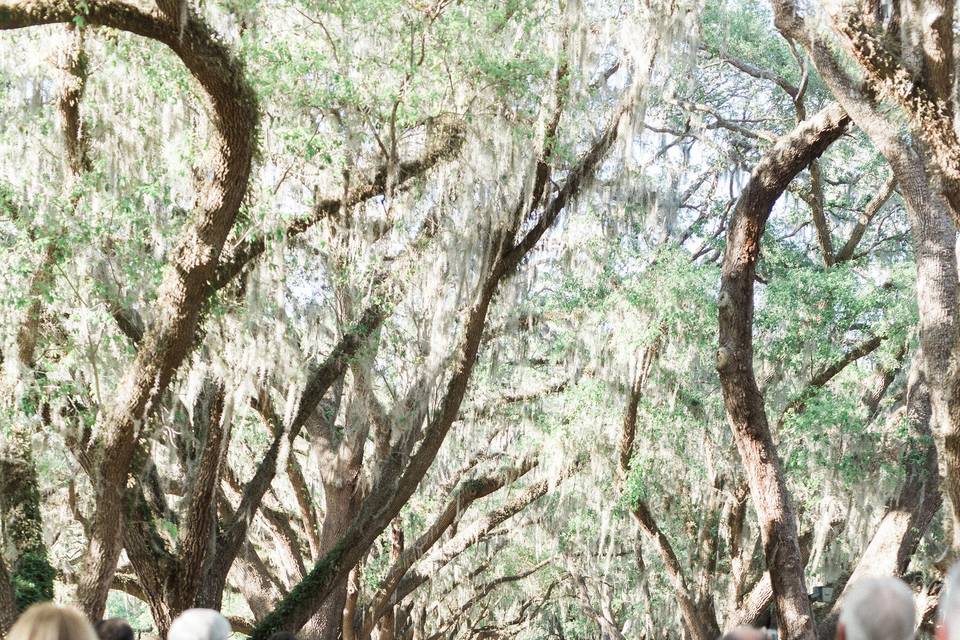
point(350, 621)
point(909, 514)
point(388, 622)
point(742, 398)
point(8, 605)
point(342, 500)
point(22, 522)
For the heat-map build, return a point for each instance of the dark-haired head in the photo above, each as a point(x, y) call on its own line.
point(114, 629)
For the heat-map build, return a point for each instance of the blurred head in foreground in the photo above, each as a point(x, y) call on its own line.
point(878, 609)
point(47, 621)
point(199, 624)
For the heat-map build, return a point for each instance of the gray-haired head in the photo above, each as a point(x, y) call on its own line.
point(878, 609)
point(948, 609)
point(199, 624)
point(746, 633)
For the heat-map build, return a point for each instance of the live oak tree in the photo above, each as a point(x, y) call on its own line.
point(468, 319)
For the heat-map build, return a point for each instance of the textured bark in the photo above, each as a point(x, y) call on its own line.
point(8, 604)
point(192, 264)
point(343, 496)
point(305, 504)
point(350, 608)
point(926, 93)
point(258, 586)
point(742, 398)
point(909, 514)
point(753, 609)
point(387, 626)
point(740, 553)
point(927, 168)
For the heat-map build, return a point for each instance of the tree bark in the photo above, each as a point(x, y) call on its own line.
point(387, 625)
point(910, 513)
point(192, 264)
point(742, 399)
point(342, 501)
point(398, 482)
point(8, 604)
point(927, 168)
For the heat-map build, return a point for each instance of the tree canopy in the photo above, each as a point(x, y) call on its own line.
point(470, 319)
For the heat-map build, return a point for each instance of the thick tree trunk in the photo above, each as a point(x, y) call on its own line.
point(927, 168)
point(934, 246)
point(193, 262)
point(753, 608)
point(342, 500)
point(743, 401)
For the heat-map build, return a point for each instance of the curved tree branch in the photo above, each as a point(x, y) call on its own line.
point(742, 398)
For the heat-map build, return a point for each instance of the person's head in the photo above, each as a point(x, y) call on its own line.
point(282, 635)
point(114, 629)
point(47, 621)
point(948, 609)
point(878, 609)
point(199, 624)
point(747, 633)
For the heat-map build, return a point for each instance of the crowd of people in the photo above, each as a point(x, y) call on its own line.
point(876, 608)
point(48, 621)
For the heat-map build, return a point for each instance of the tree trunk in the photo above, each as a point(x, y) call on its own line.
point(22, 522)
point(742, 399)
point(926, 168)
point(8, 604)
point(342, 500)
point(910, 513)
point(397, 481)
point(387, 624)
point(699, 627)
point(350, 621)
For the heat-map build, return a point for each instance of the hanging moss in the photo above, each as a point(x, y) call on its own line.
point(303, 593)
point(33, 580)
point(23, 525)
